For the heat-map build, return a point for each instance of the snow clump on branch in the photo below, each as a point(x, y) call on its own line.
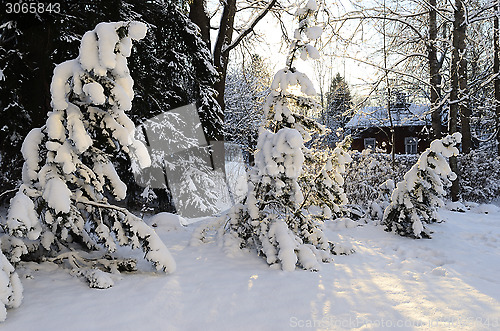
point(68, 174)
point(415, 200)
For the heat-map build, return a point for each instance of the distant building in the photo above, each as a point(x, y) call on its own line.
point(371, 127)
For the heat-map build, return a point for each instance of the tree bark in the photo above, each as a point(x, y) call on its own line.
point(460, 26)
point(198, 15)
point(221, 56)
point(435, 77)
point(496, 69)
point(458, 87)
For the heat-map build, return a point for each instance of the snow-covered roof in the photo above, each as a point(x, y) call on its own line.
point(413, 115)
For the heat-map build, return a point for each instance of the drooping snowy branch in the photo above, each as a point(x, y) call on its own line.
point(415, 200)
point(11, 289)
point(68, 172)
point(273, 219)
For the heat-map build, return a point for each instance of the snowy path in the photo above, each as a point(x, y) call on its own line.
point(388, 282)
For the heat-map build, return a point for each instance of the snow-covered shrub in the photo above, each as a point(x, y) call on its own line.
point(194, 184)
point(479, 175)
point(416, 198)
point(180, 164)
point(377, 206)
point(275, 219)
point(369, 170)
point(11, 289)
point(68, 174)
point(322, 181)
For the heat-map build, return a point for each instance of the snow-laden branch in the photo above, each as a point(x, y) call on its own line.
point(155, 249)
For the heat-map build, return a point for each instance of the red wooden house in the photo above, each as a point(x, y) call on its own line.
point(371, 128)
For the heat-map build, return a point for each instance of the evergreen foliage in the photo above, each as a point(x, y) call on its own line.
point(172, 69)
point(415, 200)
point(68, 174)
point(11, 289)
point(322, 180)
point(274, 218)
point(338, 109)
point(480, 175)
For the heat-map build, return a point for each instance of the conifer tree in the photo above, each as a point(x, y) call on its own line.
point(173, 69)
point(338, 107)
point(11, 289)
point(68, 173)
point(415, 200)
point(273, 219)
point(322, 181)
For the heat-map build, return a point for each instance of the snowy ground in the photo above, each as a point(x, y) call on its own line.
point(449, 282)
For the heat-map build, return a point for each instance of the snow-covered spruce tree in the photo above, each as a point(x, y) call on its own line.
point(376, 207)
point(180, 73)
point(415, 200)
point(272, 219)
point(68, 174)
point(11, 289)
point(322, 181)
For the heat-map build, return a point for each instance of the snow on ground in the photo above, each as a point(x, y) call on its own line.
point(446, 283)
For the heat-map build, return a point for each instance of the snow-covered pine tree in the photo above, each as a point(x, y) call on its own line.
point(181, 73)
point(322, 181)
point(272, 219)
point(415, 200)
point(68, 174)
point(11, 289)
point(338, 109)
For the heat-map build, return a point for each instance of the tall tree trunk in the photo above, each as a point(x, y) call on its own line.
point(464, 108)
point(221, 54)
point(496, 69)
point(221, 58)
point(460, 26)
point(458, 85)
point(435, 77)
point(392, 130)
point(198, 15)
point(224, 43)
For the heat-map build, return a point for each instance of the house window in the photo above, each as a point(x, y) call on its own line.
point(411, 144)
point(370, 143)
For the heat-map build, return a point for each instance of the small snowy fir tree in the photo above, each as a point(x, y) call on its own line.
point(11, 289)
point(68, 174)
point(377, 206)
point(195, 193)
point(272, 219)
point(322, 181)
point(415, 200)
